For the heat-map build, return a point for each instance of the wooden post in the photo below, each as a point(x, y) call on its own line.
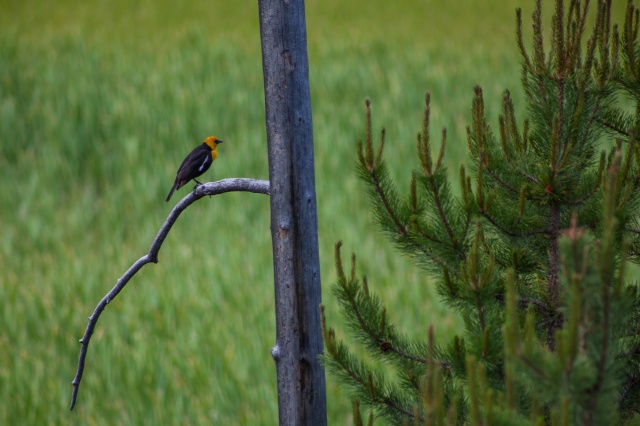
point(294, 222)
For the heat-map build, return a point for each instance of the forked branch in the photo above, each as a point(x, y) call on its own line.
point(211, 188)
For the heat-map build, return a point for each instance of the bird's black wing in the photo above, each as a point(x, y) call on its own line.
point(196, 163)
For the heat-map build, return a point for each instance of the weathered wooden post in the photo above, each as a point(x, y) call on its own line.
point(294, 223)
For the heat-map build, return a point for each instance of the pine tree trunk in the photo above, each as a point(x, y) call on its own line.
point(554, 278)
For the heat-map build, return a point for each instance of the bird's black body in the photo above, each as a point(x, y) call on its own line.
point(195, 164)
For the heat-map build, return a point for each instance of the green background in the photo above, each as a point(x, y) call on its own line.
point(99, 103)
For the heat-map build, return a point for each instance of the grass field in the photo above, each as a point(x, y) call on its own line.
point(100, 101)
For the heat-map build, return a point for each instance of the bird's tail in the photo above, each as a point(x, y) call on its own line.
point(173, 188)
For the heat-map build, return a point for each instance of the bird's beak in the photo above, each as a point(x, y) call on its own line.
point(219, 141)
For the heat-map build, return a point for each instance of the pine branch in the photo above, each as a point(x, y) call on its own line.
point(616, 128)
point(502, 183)
point(505, 231)
point(401, 229)
point(530, 178)
point(373, 178)
point(596, 184)
point(441, 213)
point(626, 389)
point(537, 303)
point(534, 367)
point(369, 315)
point(210, 188)
point(416, 225)
point(386, 346)
point(523, 51)
point(357, 375)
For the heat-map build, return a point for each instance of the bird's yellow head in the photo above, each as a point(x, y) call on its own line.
point(213, 142)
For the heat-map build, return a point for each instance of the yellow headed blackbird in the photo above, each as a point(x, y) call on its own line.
point(197, 162)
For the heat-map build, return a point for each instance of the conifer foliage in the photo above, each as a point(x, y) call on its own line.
point(531, 251)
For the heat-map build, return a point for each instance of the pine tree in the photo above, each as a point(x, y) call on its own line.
point(532, 254)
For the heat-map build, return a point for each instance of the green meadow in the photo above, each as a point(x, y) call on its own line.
point(99, 103)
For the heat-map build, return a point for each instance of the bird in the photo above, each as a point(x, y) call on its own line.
point(196, 163)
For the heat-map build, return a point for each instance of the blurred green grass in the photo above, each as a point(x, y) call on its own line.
point(99, 101)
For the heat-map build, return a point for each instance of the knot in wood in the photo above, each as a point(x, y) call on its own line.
point(275, 352)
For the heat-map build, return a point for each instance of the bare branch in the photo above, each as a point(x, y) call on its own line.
point(210, 188)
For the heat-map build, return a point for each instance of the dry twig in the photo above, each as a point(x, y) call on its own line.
point(211, 188)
